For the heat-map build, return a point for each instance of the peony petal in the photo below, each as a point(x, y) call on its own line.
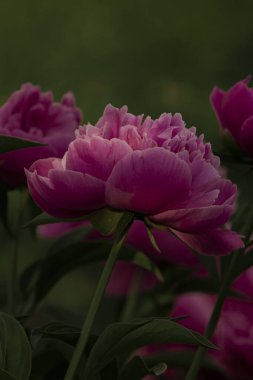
point(216, 99)
point(215, 242)
point(194, 219)
point(96, 156)
point(37, 194)
point(237, 107)
point(80, 191)
point(148, 181)
point(111, 121)
point(227, 194)
point(64, 193)
point(172, 249)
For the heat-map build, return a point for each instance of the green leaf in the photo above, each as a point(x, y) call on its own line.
point(152, 238)
point(144, 262)
point(29, 277)
point(178, 359)
point(105, 221)
point(109, 372)
point(44, 218)
point(55, 265)
point(137, 369)
point(122, 338)
point(5, 375)
point(42, 275)
point(15, 348)
point(55, 329)
point(8, 143)
point(57, 337)
point(70, 238)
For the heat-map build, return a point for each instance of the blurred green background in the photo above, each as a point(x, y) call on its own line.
point(154, 56)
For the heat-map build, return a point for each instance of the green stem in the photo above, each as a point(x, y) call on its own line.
point(12, 284)
point(132, 297)
point(92, 311)
point(200, 353)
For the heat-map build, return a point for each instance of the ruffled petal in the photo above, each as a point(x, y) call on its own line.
point(148, 181)
point(64, 193)
point(215, 242)
point(96, 156)
point(172, 249)
point(237, 106)
point(196, 219)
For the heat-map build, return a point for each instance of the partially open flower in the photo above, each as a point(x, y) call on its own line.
point(158, 169)
point(33, 115)
point(234, 334)
point(234, 110)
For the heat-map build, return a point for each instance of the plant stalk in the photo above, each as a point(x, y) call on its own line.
point(93, 309)
point(200, 353)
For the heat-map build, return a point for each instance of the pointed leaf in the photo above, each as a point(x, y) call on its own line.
point(5, 375)
point(137, 369)
point(8, 143)
point(123, 338)
point(51, 269)
point(144, 262)
point(152, 238)
point(44, 218)
point(15, 348)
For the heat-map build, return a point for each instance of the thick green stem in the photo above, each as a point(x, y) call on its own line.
point(92, 311)
point(200, 353)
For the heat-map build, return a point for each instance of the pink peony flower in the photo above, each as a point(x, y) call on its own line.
point(32, 115)
point(234, 333)
point(158, 169)
point(234, 110)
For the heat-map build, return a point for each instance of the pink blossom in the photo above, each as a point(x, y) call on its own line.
point(33, 115)
point(234, 333)
point(234, 110)
point(158, 169)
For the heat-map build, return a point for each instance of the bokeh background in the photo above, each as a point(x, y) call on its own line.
point(155, 56)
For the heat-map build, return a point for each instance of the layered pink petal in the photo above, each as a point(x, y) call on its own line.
point(216, 98)
point(234, 110)
point(96, 156)
point(148, 181)
point(64, 193)
point(215, 242)
point(171, 248)
point(31, 114)
point(111, 121)
point(237, 106)
point(196, 219)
